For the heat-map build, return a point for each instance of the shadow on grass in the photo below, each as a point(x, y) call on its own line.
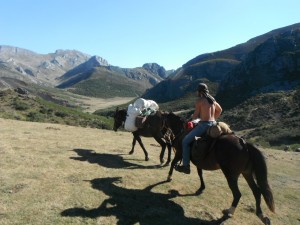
point(113, 161)
point(132, 206)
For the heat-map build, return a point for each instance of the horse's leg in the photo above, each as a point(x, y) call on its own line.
point(163, 145)
point(202, 187)
point(169, 146)
point(176, 159)
point(138, 138)
point(257, 194)
point(133, 144)
point(233, 185)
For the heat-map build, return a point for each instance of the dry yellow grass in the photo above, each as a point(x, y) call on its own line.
point(90, 104)
point(55, 174)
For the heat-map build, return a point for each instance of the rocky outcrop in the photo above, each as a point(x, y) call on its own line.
point(156, 69)
point(43, 69)
point(213, 70)
point(94, 61)
point(272, 66)
point(269, 62)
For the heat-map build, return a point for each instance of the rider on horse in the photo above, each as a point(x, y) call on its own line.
point(208, 110)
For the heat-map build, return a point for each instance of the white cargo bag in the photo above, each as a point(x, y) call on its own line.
point(132, 113)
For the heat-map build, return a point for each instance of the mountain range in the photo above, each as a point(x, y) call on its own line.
point(262, 61)
point(75, 70)
point(39, 68)
point(256, 82)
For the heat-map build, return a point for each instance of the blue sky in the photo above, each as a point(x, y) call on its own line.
point(129, 33)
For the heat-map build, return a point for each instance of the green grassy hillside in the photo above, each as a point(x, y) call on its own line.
point(31, 108)
point(107, 82)
point(273, 119)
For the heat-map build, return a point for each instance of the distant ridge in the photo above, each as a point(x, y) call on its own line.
point(272, 66)
point(73, 69)
point(213, 68)
point(40, 68)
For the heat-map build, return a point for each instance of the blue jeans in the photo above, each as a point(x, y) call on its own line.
point(200, 129)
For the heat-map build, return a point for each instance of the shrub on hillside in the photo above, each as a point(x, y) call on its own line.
point(35, 117)
point(19, 105)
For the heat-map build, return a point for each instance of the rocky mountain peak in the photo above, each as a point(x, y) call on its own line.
point(9, 51)
point(96, 61)
point(156, 69)
point(45, 68)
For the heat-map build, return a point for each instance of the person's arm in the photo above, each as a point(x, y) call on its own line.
point(218, 110)
point(197, 111)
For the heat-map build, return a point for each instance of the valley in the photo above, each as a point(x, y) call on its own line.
point(90, 104)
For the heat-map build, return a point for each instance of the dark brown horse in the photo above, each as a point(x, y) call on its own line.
point(233, 156)
point(153, 127)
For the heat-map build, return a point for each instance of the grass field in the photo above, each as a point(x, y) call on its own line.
point(59, 174)
point(90, 104)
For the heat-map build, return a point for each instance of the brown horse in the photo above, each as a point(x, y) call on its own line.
point(153, 127)
point(233, 156)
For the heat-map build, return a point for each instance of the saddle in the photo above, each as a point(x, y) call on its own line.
point(202, 146)
point(217, 130)
point(140, 121)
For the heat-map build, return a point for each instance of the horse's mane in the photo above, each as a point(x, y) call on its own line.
point(172, 116)
point(175, 122)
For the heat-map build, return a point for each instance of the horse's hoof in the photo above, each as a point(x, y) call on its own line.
point(174, 193)
point(130, 153)
point(265, 220)
point(169, 178)
point(147, 159)
point(226, 213)
point(229, 212)
point(199, 191)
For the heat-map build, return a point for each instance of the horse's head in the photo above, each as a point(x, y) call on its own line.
point(119, 118)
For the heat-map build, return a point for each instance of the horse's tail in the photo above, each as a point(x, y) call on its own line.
point(261, 173)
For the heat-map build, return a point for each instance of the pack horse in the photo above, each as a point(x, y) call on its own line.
point(152, 126)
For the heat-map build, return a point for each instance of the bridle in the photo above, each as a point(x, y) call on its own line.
point(119, 118)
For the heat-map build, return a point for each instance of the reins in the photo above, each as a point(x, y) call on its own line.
point(178, 134)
